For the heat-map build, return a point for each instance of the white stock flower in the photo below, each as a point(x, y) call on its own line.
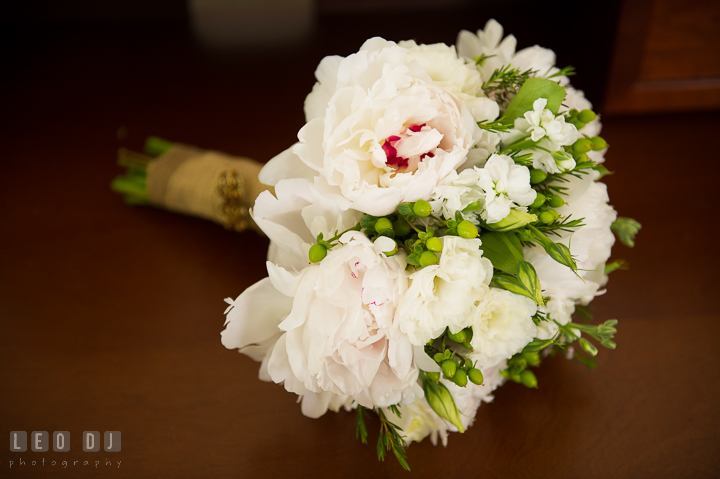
point(457, 192)
point(501, 51)
point(506, 185)
point(542, 123)
point(552, 133)
point(502, 326)
point(444, 295)
point(499, 186)
point(382, 129)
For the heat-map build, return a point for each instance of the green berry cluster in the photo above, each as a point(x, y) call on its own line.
point(454, 366)
point(580, 118)
point(517, 368)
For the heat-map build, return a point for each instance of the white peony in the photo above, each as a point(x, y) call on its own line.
point(445, 294)
point(502, 326)
point(329, 330)
point(387, 124)
point(294, 217)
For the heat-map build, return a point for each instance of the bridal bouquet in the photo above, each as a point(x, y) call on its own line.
point(431, 234)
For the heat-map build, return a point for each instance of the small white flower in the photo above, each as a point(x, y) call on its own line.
point(444, 295)
point(506, 185)
point(541, 122)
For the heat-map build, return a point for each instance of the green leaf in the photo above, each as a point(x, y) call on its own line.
point(529, 278)
point(615, 265)
point(588, 347)
point(626, 229)
point(503, 250)
point(537, 345)
point(442, 402)
point(405, 209)
point(531, 90)
point(525, 283)
point(368, 221)
point(561, 253)
point(516, 219)
point(557, 251)
point(603, 171)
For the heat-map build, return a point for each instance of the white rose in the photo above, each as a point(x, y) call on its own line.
point(590, 245)
point(444, 295)
point(502, 326)
point(388, 132)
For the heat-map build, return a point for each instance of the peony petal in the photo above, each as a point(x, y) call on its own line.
point(255, 317)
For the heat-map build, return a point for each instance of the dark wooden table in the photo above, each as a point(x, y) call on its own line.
point(111, 315)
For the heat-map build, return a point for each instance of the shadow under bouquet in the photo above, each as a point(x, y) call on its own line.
point(431, 234)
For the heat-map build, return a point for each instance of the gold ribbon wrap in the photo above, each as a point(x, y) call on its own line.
point(207, 184)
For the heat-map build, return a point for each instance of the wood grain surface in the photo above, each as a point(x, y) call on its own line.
point(111, 315)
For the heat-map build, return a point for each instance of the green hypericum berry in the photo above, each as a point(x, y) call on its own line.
point(383, 224)
point(422, 208)
point(537, 176)
point(401, 227)
point(449, 368)
point(581, 157)
point(466, 229)
point(586, 116)
point(547, 217)
point(433, 376)
point(469, 334)
point(476, 376)
point(428, 258)
point(539, 201)
point(583, 145)
point(532, 358)
point(439, 357)
point(317, 253)
point(460, 378)
point(468, 364)
point(434, 244)
point(578, 124)
point(459, 337)
point(599, 143)
point(556, 201)
point(528, 379)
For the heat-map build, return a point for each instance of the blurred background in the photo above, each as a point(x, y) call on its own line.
point(111, 315)
point(632, 56)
